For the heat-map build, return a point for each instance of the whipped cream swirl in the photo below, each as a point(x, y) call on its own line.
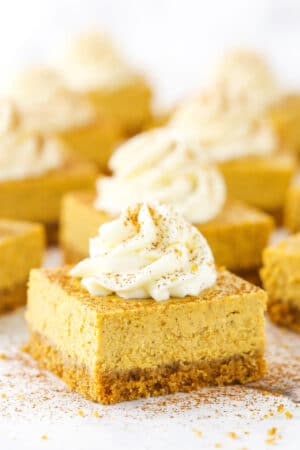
point(157, 165)
point(91, 61)
point(44, 103)
point(247, 79)
point(149, 252)
point(222, 133)
point(227, 120)
point(24, 155)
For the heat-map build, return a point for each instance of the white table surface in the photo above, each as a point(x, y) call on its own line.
point(33, 404)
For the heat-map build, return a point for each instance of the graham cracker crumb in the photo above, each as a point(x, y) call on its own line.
point(81, 412)
point(96, 414)
point(3, 356)
point(3, 395)
point(288, 415)
point(272, 431)
point(44, 437)
point(218, 445)
point(280, 408)
point(197, 433)
point(232, 435)
point(270, 441)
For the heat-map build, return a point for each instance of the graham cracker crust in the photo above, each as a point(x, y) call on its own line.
point(51, 233)
point(13, 298)
point(284, 314)
point(114, 387)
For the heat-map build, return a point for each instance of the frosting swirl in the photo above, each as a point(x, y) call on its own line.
point(220, 133)
point(150, 251)
point(44, 103)
point(227, 121)
point(157, 165)
point(92, 62)
point(247, 78)
point(24, 155)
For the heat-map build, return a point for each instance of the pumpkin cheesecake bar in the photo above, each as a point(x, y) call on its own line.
point(157, 165)
point(91, 65)
point(35, 172)
point(281, 279)
point(292, 207)
point(39, 198)
point(146, 314)
point(250, 179)
point(21, 249)
point(43, 103)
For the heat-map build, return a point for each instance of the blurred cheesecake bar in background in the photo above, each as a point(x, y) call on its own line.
point(91, 65)
point(148, 313)
point(36, 170)
point(281, 280)
point(285, 117)
point(230, 125)
point(292, 207)
point(48, 106)
point(157, 165)
point(21, 249)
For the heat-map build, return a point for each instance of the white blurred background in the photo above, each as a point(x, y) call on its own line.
point(173, 41)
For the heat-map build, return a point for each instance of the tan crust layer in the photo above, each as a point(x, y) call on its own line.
point(13, 298)
point(284, 314)
point(51, 233)
point(108, 388)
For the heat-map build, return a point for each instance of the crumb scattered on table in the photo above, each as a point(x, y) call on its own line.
point(232, 435)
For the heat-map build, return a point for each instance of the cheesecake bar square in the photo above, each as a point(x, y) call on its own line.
point(260, 182)
point(292, 207)
point(285, 117)
point(281, 279)
point(236, 236)
point(91, 65)
point(21, 249)
point(110, 349)
point(38, 198)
